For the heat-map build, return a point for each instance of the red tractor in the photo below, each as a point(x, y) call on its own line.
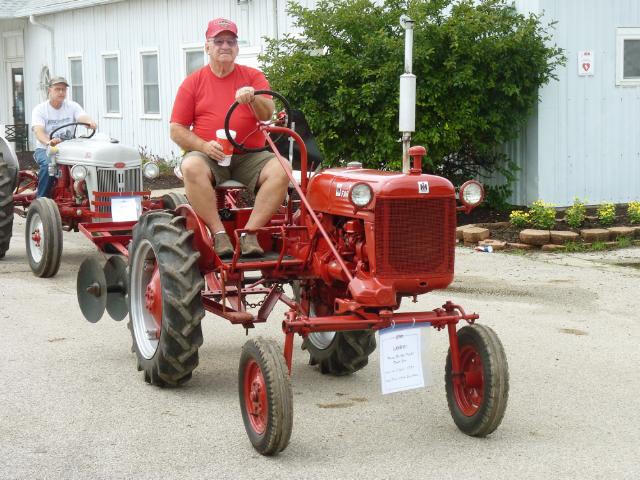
point(90, 171)
point(353, 246)
point(352, 242)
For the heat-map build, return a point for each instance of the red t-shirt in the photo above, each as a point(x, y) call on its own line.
point(203, 100)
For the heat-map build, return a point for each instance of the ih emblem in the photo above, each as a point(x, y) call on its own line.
point(423, 187)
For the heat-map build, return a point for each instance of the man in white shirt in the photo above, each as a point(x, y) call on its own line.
point(48, 116)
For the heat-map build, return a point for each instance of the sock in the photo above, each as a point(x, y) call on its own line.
point(221, 231)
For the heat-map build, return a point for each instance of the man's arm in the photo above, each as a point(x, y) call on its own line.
point(189, 142)
point(262, 105)
point(42, 136)
point(84, 118)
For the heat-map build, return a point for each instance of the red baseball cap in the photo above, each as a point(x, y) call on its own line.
point(219, 25)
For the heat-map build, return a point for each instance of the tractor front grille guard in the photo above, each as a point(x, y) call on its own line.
point(116, 180)
point(431, 247)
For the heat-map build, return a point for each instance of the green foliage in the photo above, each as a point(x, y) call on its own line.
point(576, 213)
point(542, 215)
point(479, 65)
point(519, 219)
point(633, 212)
point(571, 247)
point(606, 213)
point(623, 242)
point(598, 246)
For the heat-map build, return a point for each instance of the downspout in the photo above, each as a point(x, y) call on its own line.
point(275, 20)
point(34, 22)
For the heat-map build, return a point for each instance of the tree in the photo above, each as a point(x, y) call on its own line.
point(479, 65)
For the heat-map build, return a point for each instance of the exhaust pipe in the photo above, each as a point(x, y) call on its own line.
point(407, 117)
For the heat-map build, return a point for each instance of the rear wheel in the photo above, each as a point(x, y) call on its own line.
point(336, 353)
point(478, 401)
point(165, 307)
point(266, 398)
point(6, 207)
point(43, 236)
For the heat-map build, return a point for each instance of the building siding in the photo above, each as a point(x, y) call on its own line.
point(128, 27)
point(587, 142)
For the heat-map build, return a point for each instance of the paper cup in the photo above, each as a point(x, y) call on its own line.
point(226, 145)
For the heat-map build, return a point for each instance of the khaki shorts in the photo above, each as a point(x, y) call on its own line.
point(245, 168)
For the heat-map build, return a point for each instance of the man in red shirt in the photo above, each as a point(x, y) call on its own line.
point(199, 110)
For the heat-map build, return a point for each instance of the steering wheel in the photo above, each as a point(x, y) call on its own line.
point(75, 125)
point(279, 117)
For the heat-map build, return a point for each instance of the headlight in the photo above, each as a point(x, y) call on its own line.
point(151, 170)
point(471, 193)
point(79, 172)
point(361, 195)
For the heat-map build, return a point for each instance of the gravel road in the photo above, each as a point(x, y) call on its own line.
point(73, 406)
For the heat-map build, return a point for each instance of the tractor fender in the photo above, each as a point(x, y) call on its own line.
point(9, 156)
point(201, 239)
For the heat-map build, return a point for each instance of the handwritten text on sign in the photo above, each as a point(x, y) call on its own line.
point(401, 359)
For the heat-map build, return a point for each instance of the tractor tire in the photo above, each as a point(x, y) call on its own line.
point(43, 236)
point(266, 397)
point(478, 403)
point(6, 207)
point(172, 199)
point(165, 340)
point(336, 353)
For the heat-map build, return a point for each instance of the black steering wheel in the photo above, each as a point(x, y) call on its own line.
point(75, 127)
point(281, 118)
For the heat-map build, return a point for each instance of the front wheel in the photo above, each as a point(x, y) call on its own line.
point(266, 398)
point(478, 401)
point(172, 199)
point(6, 207)
point(43, 237)
point(165, 307)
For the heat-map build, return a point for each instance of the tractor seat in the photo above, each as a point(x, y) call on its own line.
point(230, 185)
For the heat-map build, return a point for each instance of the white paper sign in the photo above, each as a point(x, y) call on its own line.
point(401, 359)
point(125, 209)
point(585, 63)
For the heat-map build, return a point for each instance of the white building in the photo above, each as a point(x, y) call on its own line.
point(126, 58)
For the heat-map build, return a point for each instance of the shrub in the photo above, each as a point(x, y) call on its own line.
point(606, 213)
point(479, 66)
point(576, 213)
point(519, 219)
point(633, 212)
point(542, 215)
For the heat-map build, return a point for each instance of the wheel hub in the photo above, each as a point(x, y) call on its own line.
point(35, 236)
point(153, 298)
point(255, 393)
point(469, 389)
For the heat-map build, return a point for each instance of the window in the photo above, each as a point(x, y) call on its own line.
point(75, 79)
point(628, 56)
point(193, 60)
point(111, 83)
point(150, 84)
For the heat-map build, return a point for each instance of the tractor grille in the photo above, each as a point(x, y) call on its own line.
point(415, 237)
point(108, 180)
point(111, 180)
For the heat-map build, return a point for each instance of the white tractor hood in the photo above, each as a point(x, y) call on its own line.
point(99, 151)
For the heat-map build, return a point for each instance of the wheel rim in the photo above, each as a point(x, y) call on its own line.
point(322, 340)
point(146, 301)
point(255, 397)
point(469, 392)
point(36, 238)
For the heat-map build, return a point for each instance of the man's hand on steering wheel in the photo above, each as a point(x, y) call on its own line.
point(245, 95)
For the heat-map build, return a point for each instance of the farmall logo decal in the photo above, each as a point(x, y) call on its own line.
point(342, 190)
point(423, 187)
